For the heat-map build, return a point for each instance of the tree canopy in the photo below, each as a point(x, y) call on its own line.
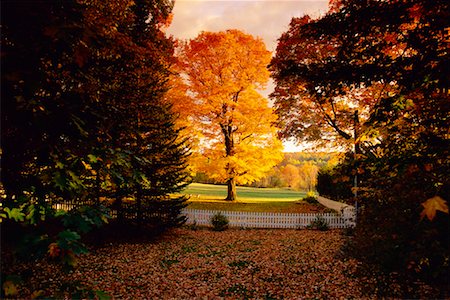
point(362, 56)
point(84, 120)
point(389, 61)
point(222, 71)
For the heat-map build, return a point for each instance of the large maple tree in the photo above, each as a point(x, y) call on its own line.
point(237, 142)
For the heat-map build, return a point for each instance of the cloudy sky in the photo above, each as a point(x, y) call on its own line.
point(263, 18)
point(266, 19)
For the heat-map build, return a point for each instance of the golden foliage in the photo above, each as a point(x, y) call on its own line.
point(432, 205)
point(228, 122)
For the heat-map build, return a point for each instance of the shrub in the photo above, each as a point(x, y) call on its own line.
point(311, 198)
point(193, 226)
point(390, 233)
point(219, 222)
point(319, 223)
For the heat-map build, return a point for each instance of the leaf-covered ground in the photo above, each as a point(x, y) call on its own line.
point(187, 264)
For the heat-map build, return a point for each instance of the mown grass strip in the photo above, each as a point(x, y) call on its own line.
point(199, 191)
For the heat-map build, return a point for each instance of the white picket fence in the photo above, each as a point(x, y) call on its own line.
point(270, 220)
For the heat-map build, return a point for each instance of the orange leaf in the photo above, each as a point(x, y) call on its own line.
point(53, 250)
point(432, 205)
point(37, 294)
point(9, 288)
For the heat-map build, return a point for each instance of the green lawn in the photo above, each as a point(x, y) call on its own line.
point(211, 197)
point(205, 192)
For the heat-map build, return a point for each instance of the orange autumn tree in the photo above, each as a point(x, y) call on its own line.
point(291, 175)
point(236, 141)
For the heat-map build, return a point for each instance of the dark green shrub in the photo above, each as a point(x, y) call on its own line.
point(390, 232)
point(325, 182)
point(311, 200)
point(319, 224)
point(219, 222)
point(337, 183)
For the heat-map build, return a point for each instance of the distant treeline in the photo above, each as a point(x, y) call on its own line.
point(297, 170)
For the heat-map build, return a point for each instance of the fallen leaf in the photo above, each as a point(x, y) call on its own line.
point(37, 294)
point(432, 205)
point(9, 288)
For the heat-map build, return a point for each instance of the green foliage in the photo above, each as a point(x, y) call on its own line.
point(14, 213)
point(219, 222)
point(60, 235)
point(70, 241)
point(81, 124)
point(85, 122)
point(319, 223)
point(85, 218)
point(390, 232)
point(311, 200)
point(337, 182)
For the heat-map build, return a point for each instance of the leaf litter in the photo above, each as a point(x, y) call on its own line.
point(188, 264)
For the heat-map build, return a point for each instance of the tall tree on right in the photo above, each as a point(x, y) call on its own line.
point(389, 61)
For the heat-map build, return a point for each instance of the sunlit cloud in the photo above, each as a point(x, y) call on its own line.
point(266, 19)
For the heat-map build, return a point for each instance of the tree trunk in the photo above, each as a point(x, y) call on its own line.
point(118, 206)
point(231, 195)
point(139, 206)
point(97, 185)
point(229, 149)
point(357, 152)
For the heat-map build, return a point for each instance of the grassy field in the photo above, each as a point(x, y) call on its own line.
point(210, 192)
point(211, 197)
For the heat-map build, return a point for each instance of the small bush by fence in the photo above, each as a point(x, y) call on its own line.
point(269, 220)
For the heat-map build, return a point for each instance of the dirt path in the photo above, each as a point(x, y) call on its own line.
point(338, 206)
